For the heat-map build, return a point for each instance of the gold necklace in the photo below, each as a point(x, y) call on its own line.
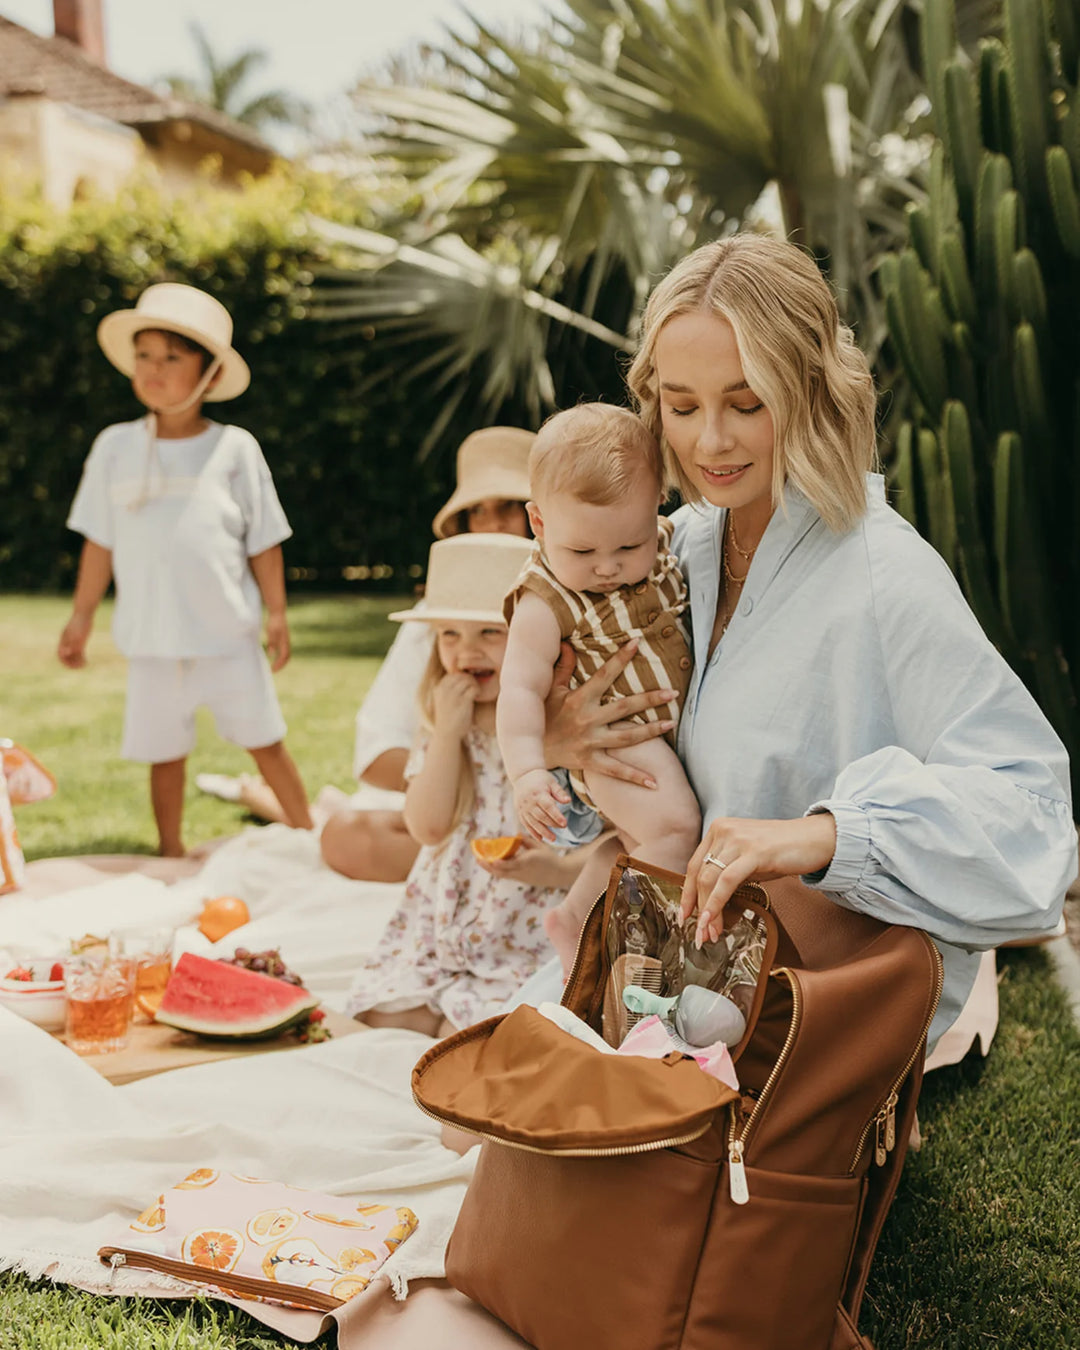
point(729, 525)
point(735, 541)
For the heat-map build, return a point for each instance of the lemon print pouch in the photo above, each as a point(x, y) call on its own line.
point(243, 1237)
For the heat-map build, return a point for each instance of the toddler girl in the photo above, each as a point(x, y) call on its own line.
point(601, 577)
point(463, 940)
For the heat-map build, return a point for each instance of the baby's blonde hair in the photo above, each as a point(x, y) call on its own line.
point(797, 356)
point(425, 697)
point(595, 452)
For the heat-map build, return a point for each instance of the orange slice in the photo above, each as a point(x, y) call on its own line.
point(495, 850)
point(148, 1004)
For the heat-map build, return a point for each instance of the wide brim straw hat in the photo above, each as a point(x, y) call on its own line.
point(469, 576)
point(493, 462)
point(184, 310)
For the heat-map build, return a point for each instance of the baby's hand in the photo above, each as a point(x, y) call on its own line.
point(537, 796)
point(454, 699)
point(72, 646)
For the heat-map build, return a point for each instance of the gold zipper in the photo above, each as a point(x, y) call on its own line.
point(221, 1279)
point(617, 1151)
point(885, 1117)
point(740, 1192)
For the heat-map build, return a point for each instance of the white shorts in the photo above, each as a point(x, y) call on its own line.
point(163, 694)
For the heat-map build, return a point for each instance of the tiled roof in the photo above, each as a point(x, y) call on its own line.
point(55, 67)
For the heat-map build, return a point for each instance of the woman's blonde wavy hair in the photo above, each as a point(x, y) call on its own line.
point(797, 356)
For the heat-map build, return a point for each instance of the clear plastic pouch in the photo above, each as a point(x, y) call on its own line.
point(647, 945)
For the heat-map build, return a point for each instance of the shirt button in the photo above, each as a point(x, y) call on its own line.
point(652, 616)
point(746, 606)
point(640, 588)
point(667, 630)
point(684, 663)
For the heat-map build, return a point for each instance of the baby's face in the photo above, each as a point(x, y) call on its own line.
point(598, 548)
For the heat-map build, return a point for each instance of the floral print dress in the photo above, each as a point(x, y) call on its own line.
point(462, 941)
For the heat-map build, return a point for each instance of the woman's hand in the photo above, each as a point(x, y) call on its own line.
point(751, 850)
point(581, 732)
point(453, 701)
point(536, 864)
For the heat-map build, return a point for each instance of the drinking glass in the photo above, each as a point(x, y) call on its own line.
point(99, 992)
point(151, 950)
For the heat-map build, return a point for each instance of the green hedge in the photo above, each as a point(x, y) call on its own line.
point(339, 437)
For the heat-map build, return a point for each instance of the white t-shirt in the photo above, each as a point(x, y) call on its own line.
point(184, 587)
point(389, 717)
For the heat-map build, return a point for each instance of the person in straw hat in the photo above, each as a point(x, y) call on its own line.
point(181, 513)
point(462, 941)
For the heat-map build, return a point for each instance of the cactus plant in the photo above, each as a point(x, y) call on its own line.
point(983, 307)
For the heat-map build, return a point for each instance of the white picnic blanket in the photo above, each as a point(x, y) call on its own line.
point(80, 1158)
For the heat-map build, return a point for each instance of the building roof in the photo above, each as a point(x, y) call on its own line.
point(59, 70)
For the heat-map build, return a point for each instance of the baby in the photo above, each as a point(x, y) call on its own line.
point(600, 576)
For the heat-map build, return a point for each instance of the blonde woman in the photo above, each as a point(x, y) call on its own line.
point(847, 720)
point(462, 940)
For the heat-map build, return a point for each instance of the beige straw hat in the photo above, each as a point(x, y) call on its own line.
point(469, 576)
point(493, 462)
point(184, 310)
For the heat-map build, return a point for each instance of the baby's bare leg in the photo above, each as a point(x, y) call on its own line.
point(660, 825)
point(563, 923)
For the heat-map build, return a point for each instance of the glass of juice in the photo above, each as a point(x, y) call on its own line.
point(151, 950)
point(99, 995)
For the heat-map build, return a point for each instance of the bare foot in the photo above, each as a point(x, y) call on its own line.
point(171, 851)
point(563, 931)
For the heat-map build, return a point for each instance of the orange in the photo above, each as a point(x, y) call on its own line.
point(221, 915)
point(495, 850)
point(149, 1003)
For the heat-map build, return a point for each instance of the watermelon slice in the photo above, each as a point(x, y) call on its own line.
point(211, 998)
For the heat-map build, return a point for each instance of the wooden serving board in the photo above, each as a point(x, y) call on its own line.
point(156, 1049)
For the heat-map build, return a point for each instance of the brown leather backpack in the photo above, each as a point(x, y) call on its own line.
point(622, 1204)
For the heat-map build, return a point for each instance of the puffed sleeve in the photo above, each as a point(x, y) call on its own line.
point(388, 716)
point(91, 513)
point(964, 827)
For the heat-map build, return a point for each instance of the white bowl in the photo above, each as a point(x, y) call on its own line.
point(39, 1000)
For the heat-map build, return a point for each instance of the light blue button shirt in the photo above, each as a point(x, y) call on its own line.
point(854, 678)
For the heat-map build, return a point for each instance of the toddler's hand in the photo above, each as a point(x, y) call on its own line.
point(454, 698)
point(72, 646)
point(537, 796)
point(278, 645)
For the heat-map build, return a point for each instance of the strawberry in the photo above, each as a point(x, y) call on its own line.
point(19, 973)
point(57, 971)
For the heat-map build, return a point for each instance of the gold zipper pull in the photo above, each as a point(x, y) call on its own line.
point(740, 1192)
point(115, 1261)
point(880, 1151)
point(890, 1122)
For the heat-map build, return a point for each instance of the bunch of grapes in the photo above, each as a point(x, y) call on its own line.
point(313, 1027)
point(266, 963)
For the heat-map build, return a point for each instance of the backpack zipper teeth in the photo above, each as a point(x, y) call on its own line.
point(221, 1279)
point(616, 1151)
point(885, 1116)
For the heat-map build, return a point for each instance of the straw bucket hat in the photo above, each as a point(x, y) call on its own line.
point(184, 310)
point(469, 576)
point(493, 462)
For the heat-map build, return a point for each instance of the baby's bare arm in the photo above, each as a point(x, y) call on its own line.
point(532, 648)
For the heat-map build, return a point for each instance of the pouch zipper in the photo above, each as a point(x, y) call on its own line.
point(885, 1117)
point(221, 1279)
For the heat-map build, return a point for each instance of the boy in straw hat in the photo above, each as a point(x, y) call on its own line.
point(182, 513)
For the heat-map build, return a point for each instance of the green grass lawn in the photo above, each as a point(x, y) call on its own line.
point(72, 721)
point(982, 1248)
